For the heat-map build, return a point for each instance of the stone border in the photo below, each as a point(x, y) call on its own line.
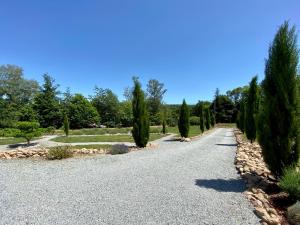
point(249, 163)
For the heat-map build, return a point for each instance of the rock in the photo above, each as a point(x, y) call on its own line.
point(261, 212)
point(293, 214)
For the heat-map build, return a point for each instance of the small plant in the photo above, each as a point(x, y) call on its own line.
point(290, 182)
point(50, 130)
point(60, 152)
point(118, 149)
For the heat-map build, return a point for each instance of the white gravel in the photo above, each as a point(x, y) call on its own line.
point(176, 183)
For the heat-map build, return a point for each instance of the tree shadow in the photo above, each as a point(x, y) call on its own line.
point(221, 185)
point(172, 140)
point(227, 145)
point(22, 145)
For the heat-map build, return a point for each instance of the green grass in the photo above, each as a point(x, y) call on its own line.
point(11, 141)
point(226, 125)
point(101, 138)
point(194, 130)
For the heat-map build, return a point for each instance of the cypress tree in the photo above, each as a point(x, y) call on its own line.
point(207, 118)
point(241, 116)
point(212, 119)
point(201, 115)
point(278, 120)
point(184, 120)
point(251, 110)
point(66, 125)
point(140, 131)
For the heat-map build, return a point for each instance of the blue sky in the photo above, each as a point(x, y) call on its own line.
point(193, 46)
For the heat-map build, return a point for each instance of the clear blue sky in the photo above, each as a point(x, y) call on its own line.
point(193, 46)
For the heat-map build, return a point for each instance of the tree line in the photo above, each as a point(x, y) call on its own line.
point(270, 111)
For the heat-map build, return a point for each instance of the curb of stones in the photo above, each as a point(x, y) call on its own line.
point(250, 165)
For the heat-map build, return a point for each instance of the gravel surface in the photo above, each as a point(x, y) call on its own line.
point(175, 183)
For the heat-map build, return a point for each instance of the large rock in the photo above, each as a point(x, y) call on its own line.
point(294, 214)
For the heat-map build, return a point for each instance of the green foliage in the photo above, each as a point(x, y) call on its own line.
point(81, 113)
point(46, 104)
point(50, 130)
point(28, 130)
point(290, 182)
point(278, 120)
point(60, 152)
point(183, 122)
point(207, 118)
point(107, 105)
point(199, 110)
point(140, 131)
point(194, 120)
point(125, 114)
point(212, 119)
point(155, 93)
point(251, 110)
point(164, 127)
point(8, 132)
point(66, 125)
point(225, 111)
point(241, 116)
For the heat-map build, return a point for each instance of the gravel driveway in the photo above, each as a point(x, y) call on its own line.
point(176, 183)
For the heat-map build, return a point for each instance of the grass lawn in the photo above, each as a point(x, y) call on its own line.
point(11, 141)
point(102, 138)
point(194, 130)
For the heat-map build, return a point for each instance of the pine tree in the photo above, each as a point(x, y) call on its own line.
point(184, 120)
point(251, 110)
point(66, 125)
point(278, 121)
point(207, 118)
point(201, 115)
point(140, 131)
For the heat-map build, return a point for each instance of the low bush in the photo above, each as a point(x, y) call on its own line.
point(50, 130)
point(118, 149)
point(8, 132)
point(290, 182)
point(194, 120)
point(60, 152)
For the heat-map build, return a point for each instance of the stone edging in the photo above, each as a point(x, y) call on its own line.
point(259, 180)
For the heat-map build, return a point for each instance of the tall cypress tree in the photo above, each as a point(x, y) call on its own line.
point(140, 131)
point(251, 110)
point(207, 118)
point(212, 118)
point(66, 125)
point(241, 116)
point(278, 120)
point(201, 115)
point(184, 120)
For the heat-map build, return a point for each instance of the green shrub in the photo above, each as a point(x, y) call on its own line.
point(60, 152)
point(50, 130)
point(290, 182)
point(194, 120)
point(8, 132)
point(118, 149)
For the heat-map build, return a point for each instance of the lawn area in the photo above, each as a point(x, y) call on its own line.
point(102, 138)
point(194, 130)
point(11, 141)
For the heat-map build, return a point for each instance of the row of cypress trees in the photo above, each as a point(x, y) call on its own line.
point(270, 112)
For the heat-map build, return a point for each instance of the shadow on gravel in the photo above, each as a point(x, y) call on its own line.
point(172, 140)
point(227, 144)
point(21, 145)
point(221, 185)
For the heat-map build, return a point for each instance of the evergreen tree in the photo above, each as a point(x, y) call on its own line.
point(278, 121)
point(46, 104)
point(212, 119)
point(140, 131)
point(207, 118)
point(201, 115)
point(66, 125)
point(241, 116)
point(251, 110)
point(184, 120)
